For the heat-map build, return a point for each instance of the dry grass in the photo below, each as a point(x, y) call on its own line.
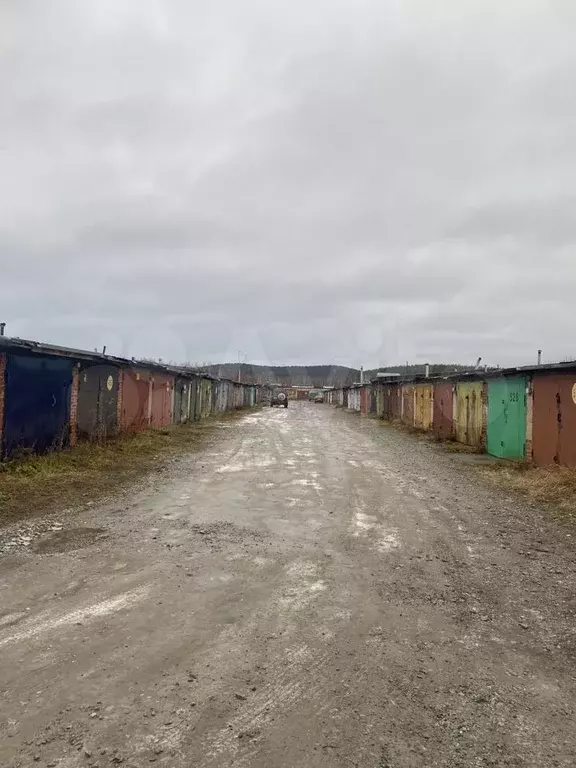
point(393, 423)
point(38, 484)
point(453, 447)
point(419, 432)
point(544, 485)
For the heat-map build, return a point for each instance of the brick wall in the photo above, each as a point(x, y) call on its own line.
point(74, 407)
point(529, 420)
point(120, 400)
point(2, 381)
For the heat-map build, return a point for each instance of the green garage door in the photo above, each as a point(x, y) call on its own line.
point(506, 426)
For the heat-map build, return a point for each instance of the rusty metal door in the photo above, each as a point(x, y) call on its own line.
point(423, 398)
point(408, 404)
point(97, 414)
point(135, 400)
point(443, 410)
point(161, 413)
point(469, 413)
point(181, 400)
point(178, 398)
point(554, 419)
point(396, 402)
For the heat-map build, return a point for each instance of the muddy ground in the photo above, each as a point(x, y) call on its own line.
point(312, 589)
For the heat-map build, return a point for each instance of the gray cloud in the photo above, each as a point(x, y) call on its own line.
point(356, 182)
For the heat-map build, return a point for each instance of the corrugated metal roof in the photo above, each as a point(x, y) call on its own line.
point(568, 366)
point(8, 343)
point(476, 375)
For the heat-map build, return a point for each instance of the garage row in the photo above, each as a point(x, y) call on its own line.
point(51, 397)
point(521, 414)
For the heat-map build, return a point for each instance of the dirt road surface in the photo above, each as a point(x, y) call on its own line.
point(313, 589)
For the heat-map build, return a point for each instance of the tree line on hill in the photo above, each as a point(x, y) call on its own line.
point(318, 376)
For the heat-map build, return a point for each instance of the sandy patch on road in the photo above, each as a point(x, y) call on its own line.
point(367, 526)
point(243, 466)
point(46, 622)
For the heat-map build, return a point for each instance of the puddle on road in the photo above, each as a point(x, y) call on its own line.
point(68, 540)
point(48, 536)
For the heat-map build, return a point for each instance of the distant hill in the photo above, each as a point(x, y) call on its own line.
point(317, 375)
point(305, 376)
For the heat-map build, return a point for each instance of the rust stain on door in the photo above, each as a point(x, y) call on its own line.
point(424, 402)
point(469, 427)
point(554, 419)
point(408, 404)
point(443, 410)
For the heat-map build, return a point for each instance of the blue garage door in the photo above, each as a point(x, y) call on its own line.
point(37, 403)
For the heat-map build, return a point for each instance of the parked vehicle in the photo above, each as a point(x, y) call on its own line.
point(279, 398)
point(319, 398)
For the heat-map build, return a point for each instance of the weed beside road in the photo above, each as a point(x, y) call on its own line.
point(36, 485)
point(553, 485)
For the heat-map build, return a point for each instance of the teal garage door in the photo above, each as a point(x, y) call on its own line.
point(506, 427)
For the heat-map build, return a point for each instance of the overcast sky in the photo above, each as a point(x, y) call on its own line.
point(329, 181)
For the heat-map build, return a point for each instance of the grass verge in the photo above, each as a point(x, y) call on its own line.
point(453, 447)
point(37, 485)
point(555, 486)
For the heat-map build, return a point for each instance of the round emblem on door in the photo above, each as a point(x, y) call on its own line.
point(110, 384)
point(574, 393)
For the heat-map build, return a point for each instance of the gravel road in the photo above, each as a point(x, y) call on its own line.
point(312, 589)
